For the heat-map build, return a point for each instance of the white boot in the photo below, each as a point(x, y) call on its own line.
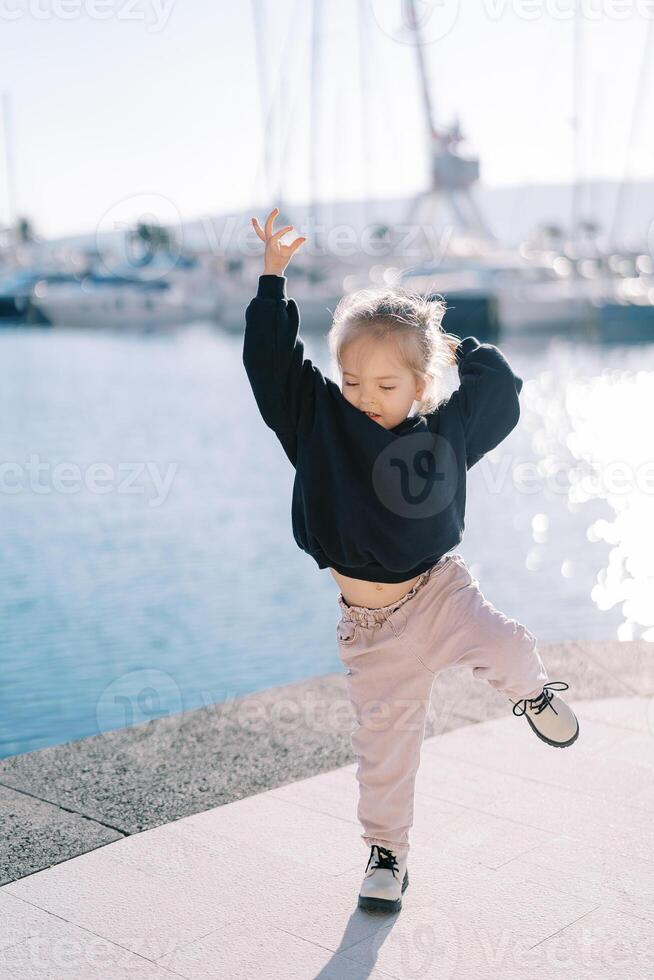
point(385, 879)
point(549, 716)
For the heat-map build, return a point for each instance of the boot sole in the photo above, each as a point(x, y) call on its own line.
point(544, 738)
point(384, 904)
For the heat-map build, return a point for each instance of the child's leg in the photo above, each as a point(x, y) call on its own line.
point(390, 691)
point(457, 625)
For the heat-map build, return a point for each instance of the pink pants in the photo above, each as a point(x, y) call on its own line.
point(392, 655)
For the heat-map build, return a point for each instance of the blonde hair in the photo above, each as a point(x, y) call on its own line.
point(412, 320)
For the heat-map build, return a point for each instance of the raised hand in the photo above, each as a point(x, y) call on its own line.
point(276, 256)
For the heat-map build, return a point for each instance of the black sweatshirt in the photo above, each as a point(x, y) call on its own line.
point(377, 504)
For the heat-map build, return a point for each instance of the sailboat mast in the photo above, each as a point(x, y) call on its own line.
point(364, 88)
point(642, 88)
point(9, 159)
point(576, 89)
point(314, 127)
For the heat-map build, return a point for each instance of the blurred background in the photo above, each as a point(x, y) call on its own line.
point(500, 155)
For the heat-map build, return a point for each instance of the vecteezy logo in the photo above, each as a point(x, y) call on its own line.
point(136, 697)
point(416, 21)
point(428, 944)
point(140, 235)
point(416, 476)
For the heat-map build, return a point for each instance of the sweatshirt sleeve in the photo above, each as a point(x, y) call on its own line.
point(281, 377)
point(487, 397)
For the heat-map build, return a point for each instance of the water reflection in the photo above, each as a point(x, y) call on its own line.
point(591, 434)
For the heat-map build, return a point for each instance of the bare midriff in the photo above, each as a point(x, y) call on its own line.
point(357, 592)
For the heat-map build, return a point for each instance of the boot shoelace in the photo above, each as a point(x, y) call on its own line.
point(383, 859)
point(543, 700)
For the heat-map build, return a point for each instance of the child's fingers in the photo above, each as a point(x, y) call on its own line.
point(281, 233)
point(269, 221)
point(296, 244)
point(258, 229)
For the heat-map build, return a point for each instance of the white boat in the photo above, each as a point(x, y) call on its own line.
point(519, 296)
point(16, 293)
point(97, 302)
point(158, 294)
point(536, 298)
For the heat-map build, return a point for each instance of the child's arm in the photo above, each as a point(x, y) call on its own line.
point(273, 352)
point(487, 397)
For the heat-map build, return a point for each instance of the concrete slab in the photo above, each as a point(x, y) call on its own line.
point(517, 869)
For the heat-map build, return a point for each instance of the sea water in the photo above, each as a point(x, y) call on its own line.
point(147, 564)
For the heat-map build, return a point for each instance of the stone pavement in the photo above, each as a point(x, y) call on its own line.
point(61, 801)
point(526, 861)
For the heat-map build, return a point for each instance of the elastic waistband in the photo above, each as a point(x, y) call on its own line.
point(369, 616)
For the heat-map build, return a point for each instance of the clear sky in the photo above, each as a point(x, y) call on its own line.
point(119, 101)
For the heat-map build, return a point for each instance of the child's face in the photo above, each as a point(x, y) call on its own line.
point(375, 380)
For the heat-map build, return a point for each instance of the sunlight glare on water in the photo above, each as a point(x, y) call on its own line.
point(593, 438)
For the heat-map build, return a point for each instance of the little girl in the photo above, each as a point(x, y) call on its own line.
point(379, 499)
